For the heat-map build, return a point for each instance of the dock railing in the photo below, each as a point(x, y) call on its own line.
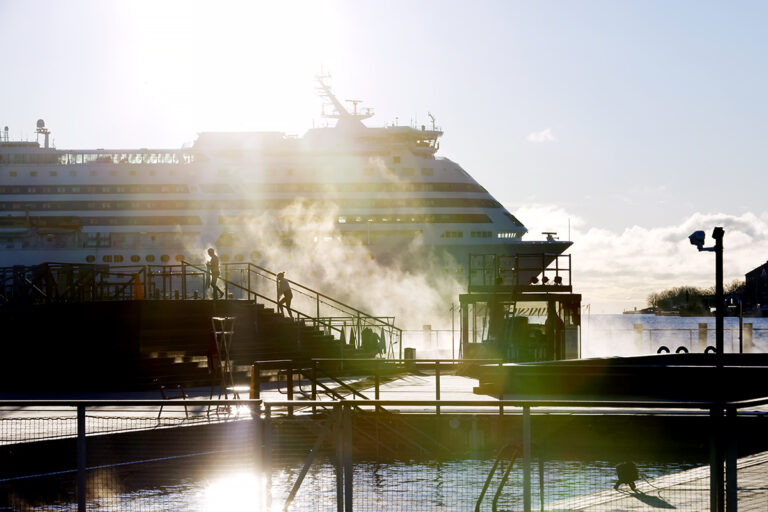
point(336, 455)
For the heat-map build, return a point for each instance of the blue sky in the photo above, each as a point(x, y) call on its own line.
point(619, 115)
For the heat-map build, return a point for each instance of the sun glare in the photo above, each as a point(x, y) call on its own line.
point(240, 491)
point(228, 65)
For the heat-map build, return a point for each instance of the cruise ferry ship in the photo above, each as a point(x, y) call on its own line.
point(384, 188)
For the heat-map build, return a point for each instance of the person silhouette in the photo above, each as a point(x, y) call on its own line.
point(284, 294)
point(213, 268)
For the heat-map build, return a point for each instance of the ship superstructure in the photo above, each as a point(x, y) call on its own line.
point(380, 188)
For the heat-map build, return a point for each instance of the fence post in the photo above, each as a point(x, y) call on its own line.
point(339, 459)
point(437, 387)
point(731, 471)
point(258, 439)
point(81, 476)
point(183, 280)
point(255, 382)
point(716, 486)
point(267, 464)
point(702, 336)
point(289, 389)
point(348, 468)
point(526, 458)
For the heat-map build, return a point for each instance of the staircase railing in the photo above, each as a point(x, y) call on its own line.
point(252, 295)
point(351, 323)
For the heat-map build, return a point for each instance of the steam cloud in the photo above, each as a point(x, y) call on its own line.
point(303, 240)
point(618, 270)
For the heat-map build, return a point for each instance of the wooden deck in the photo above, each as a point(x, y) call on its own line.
point(684, 491)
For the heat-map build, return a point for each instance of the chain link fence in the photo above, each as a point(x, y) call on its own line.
point(374, 456)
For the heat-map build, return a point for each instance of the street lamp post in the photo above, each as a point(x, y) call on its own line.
point(717, 458)
point(697, 239)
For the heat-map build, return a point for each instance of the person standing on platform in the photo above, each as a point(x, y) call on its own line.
point(284, 294)
point(213, 268)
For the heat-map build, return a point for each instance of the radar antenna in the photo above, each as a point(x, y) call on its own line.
point(340, 112)
point(42, 130)
point(432, 118)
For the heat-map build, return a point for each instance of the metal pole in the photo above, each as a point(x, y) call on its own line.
point(731, 472)
point(268, 453)
point(437, 386)
point(348, 469)
point(81, 476)
point(527, 458)
point(716, 480)
point(741, 327)
point(453, 332)
point(339, 459)
point(717, 234)
point(183, 280)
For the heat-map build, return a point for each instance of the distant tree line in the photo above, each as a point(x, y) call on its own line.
point(689, 300)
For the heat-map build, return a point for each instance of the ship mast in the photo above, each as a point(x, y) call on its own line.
point(340, 112)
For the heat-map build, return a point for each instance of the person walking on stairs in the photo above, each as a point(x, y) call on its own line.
point(213, 268)
point(284, 294)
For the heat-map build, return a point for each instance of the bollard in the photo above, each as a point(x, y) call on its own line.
point(255, 382)
point(702, 337)
point(748, 346)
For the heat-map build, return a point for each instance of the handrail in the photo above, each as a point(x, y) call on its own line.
point(251, 292)
point(614, 404)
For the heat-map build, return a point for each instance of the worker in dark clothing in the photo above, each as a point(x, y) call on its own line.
point(213, 268)
point(284, 294)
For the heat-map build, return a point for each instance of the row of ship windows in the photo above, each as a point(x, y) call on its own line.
point(164, 258)
point(459, 218)
point(92, 172)
point(87, 158)
point(74, 222)
point(247, 204)
point(223, 188)
point(273, 171)
point(479, 234)
point(96, 189)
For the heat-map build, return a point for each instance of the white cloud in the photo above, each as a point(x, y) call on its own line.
point(542, 136)
point(617, 270)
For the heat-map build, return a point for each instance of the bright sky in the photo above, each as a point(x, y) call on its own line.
point(636, 120)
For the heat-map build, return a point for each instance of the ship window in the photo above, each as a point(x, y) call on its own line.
point(396, 159)
point(150, 258)
point(90, 258)
point(152, 173)
point(33, 173)
point(12, 174)
point(165, 258)
point(93, 173)
point(135, 258)
point(107, 258)
point(239, 257)
point(342, 219)
point(407, 171)
point(427, 171)
point(118, 258)
point(179, 257)
point(506, 234)
point(113, 173)
point(132, 173)
point(73, 173)
point(225, 257)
